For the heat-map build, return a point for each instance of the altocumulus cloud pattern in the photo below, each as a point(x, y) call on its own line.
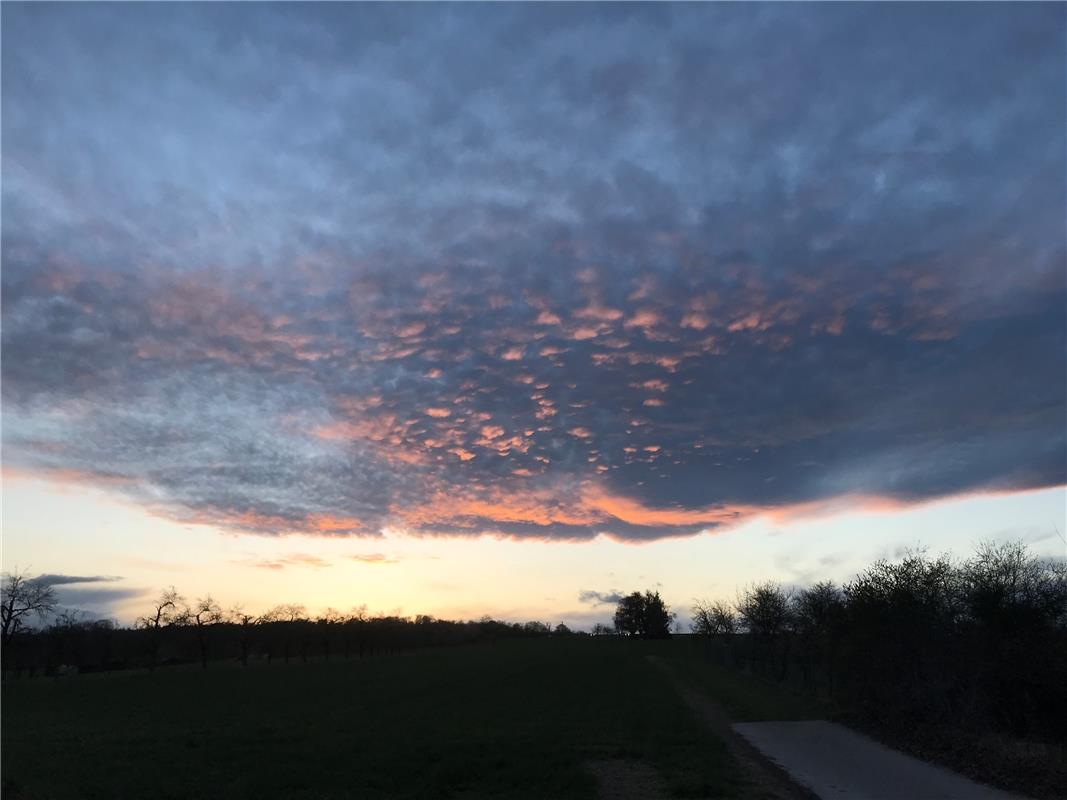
point(537, 271)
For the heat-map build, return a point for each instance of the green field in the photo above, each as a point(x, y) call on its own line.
point(743, 696)
point(515, 719)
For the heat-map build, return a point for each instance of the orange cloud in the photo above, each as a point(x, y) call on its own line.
point(598, 312)
point(644, 318)
point(411, 329)
point(327, 523)
point(377, 559)
point(479, 509)
point(633, 512)
point(695, 321)
point(491, 432)
point(581, 334)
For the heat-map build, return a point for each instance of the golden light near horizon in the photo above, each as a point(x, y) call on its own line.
point(80, 530)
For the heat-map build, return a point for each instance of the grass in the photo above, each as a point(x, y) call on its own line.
point(744, 696)
point(517, 719)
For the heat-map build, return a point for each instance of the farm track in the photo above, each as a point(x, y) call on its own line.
point(767, 779)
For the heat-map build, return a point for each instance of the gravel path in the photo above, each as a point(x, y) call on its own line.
point(820, 759)
point(836, 762)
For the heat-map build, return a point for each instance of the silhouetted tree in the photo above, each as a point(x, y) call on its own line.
point(356, 624)
point(644, 615)
point(817, 615)
point(713, 619)
point(205, 614)
point(903, 620)
point(628, 614)
point(1015, 620)
point(64, 632)
point(168, 609)
point(290, 613)
point(245, 626)
point(764, 610)
point(20, 598)
point(326, 623)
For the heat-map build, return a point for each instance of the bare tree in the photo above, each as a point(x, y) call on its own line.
point(21, 597)
point(715, 622)
point(204, 614)
point(246, 623)
point(289, 613)
point(764, 608)
point(713, 619)
point(357, 619)
point(818, 615)
point(327, 622)
point(766, 613)
point(168, 609)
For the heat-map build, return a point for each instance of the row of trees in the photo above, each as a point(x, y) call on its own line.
point(174, 630)
point(980, 642)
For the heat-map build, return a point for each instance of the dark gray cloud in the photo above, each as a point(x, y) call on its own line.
point(63, 580)
point(599, 598)
point(456, 270)
point(97, 599)
point(73, 593)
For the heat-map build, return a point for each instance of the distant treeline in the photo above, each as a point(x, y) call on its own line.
point(979, 643)
point(176, 632)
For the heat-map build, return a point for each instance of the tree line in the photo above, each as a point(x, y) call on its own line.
point(979, 643)
point(174, 630)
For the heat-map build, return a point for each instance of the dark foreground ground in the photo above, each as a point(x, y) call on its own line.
point(546, 718)
point(515, 719)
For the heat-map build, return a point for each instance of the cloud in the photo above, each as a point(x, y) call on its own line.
point(291, 560)
point(599, 598)
point(97, 599)
point(374, 558)
point(653, 298)
point(72, 592)
point(52, 579)
point(308, 560)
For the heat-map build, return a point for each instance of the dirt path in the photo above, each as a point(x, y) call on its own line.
point(820, 759)
point(768, 780)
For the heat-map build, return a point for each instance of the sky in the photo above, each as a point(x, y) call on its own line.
point(506, 309)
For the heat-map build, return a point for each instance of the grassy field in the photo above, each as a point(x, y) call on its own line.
point(744, 697)
point(517, 719)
